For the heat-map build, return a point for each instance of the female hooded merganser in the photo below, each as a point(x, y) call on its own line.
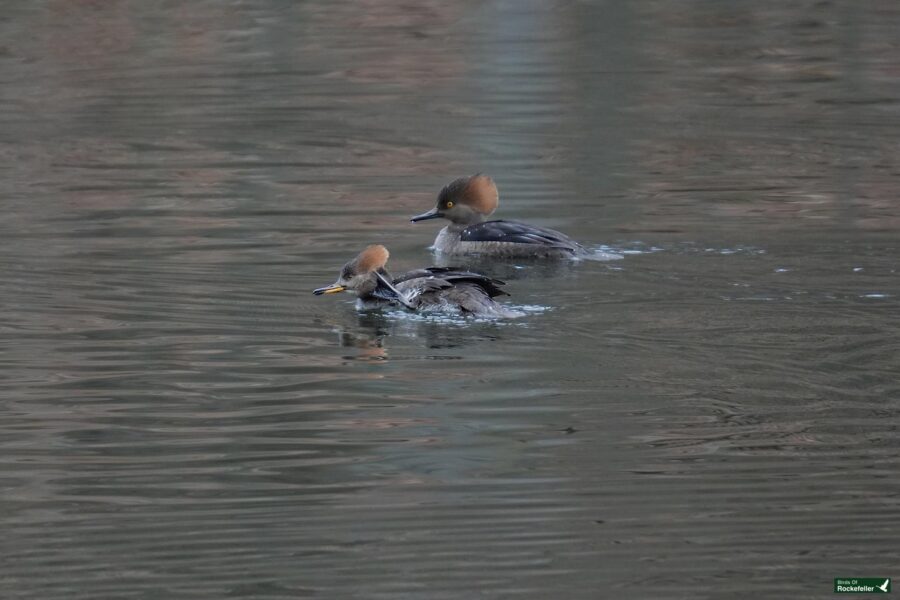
point(467, 201)
point(432, 288)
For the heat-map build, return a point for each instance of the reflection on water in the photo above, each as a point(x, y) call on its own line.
point(711, 415)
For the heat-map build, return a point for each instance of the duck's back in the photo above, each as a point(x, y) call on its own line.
point(509, 239)
point(447, 287)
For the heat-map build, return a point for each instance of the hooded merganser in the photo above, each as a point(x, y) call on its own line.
point(431, 288)
point(467, 201)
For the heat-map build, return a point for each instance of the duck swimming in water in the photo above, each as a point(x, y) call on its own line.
point(467, 202)
point(426, 290)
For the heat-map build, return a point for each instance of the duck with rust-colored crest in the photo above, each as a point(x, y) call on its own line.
point(431, 289)
point(467, 202)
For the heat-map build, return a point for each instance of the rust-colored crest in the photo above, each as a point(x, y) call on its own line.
point(481, 194)
point(372, 258)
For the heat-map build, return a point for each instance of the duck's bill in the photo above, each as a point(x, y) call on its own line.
point(386, 291)
point(431, 214)
point(330, 289)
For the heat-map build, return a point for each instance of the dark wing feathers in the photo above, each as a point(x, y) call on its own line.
point(436, 278)
point(427, 272)
point(517, 233)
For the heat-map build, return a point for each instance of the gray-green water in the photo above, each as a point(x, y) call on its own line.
point(714, 416)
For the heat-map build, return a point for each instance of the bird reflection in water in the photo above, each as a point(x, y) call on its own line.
point(369, 336)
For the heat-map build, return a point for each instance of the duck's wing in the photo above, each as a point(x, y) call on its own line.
point(518, 233)
point(438, 278)
point(386, 290)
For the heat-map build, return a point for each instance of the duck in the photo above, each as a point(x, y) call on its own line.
point(467, 202)
point(429, 289)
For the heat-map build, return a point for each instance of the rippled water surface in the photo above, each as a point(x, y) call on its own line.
point(715, 415)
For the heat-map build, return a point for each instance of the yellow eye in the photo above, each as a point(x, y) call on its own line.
point(449, 204)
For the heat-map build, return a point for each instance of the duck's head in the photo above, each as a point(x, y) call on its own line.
point(366, 275)
point(464, 201)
